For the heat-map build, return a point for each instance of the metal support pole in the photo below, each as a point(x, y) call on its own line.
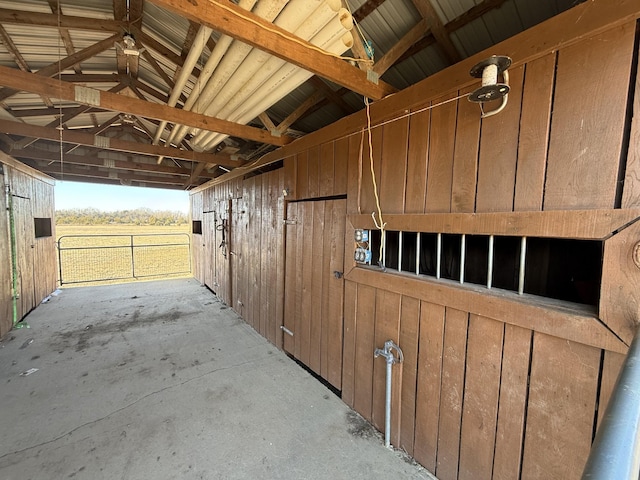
point(490, 263)
point(463, 252)
point(523, 256)
point(615, 453)
point(387, 353)
point(383, 239)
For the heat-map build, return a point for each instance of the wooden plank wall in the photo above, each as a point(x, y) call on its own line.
point(518, 160)
point(32, 197)
point(478, 395)
point(490, 399)
point(250, 279)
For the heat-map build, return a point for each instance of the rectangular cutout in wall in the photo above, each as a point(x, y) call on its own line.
point(476, 259)
point(196, 227)
point(428, 254)
point(564, 269)
point(42, 227)
point(374, 243)
point(450, 266)
point(408, 263)
point(391, 249)
point(506, 262)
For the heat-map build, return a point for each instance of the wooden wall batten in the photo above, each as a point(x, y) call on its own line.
point(32, 197)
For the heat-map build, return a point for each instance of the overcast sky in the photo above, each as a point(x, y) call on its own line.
point(114, 197)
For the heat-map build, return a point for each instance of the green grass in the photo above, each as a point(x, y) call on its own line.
point(103, 252)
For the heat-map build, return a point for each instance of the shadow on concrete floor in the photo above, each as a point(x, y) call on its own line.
point(158, 380)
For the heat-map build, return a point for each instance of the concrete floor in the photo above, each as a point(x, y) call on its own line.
point(159, 380)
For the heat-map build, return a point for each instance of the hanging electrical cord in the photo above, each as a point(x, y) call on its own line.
point(60, 127)
point(379, 222)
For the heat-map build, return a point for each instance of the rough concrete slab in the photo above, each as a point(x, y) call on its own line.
point(159, 380)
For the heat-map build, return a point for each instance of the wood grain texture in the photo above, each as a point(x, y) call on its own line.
point(280, 258)
point(290, 278)
point(302, 173)
point(586, 135)
point(465, 158)
point(499, 152)
point(451, 395)
point(307, 293)
point(533, 143)
point(316, 286)
point(394, 152)
point(441, 148)
point(365, 345)
point(367, 199)
point(409, 341)
point(584, 224)
point(521, 310)
point(313, 167)
point(481, 392)
point(341, 164)
point(387, 327)
point(417, 161)
point(631, 189)
point(6, 307)
point(335, 297)
point(610, 370)
point(349, 343)
point(326, 171)
point(561, 408)
point(429, 384)
point(354, 175)
point(620, 284)
point(513, 400)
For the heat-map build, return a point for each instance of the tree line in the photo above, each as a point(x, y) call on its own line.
point(139, 216)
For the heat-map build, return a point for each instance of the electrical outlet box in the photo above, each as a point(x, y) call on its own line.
point(361, 236)
point(362, 255)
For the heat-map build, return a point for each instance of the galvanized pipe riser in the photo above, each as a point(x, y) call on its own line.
point(615, 453)
point(387, 353)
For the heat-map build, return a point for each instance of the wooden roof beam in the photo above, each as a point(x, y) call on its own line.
point(29, 82)
point(64, 32)
point(253, 30)
point(395, 52)
point(19, 17)
point(438, 29)
point(107, 143)
point(312, 100)
point(64, 63)
point(109, 181)
point(92, 160)
point(17, 57)
point(94, 172)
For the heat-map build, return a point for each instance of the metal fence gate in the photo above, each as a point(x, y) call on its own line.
point(97, 258)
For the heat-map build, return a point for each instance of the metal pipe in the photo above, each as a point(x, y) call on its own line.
point(490, 263)
point(438, 254)
point(387, 353)
point(523, 256)
point(463, 252)
point(383, 239)
point(615, 452)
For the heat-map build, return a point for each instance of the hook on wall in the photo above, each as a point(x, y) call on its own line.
point(488, 70)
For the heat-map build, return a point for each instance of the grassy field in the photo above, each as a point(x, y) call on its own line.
point(95, 255)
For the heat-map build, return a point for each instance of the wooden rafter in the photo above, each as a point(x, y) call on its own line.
point(249, 28)
point(300, 110)
point(92, 160)
point(94, 172)
point(106, 143)
point(438, 29)
point(64, 32)
point(365, 9)
point(18, 58)
point(68, 115)
point(331, 94)
point(18, 17)
point(395, 52)
point(64, 63)
point(109, 101)
point(109, 181)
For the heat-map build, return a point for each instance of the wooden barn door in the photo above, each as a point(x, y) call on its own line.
point(208, 243)
point(25, 243)
point(222, 251)
point(314, 287)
